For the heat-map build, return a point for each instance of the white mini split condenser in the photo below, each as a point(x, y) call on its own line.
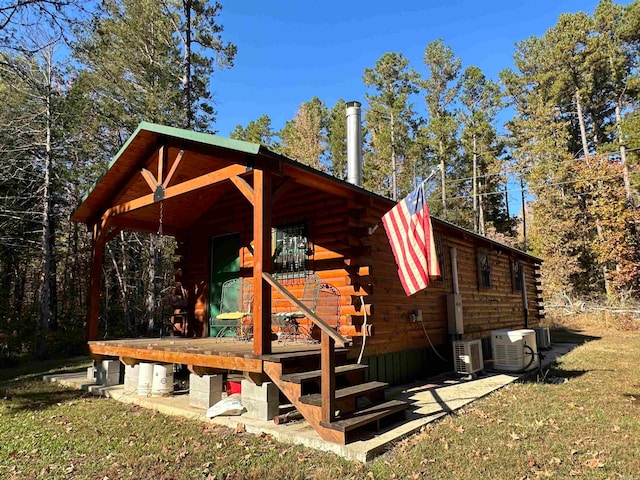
point(543, 338)
point(514, 350)
point(467, 356)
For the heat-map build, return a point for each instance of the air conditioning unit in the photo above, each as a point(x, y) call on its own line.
point(514, 350)
point(543, 338)
point(467, 356)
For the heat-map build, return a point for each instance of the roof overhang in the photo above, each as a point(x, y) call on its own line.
point(187, 156)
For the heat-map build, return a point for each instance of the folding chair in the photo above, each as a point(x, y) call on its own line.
point(229, 320)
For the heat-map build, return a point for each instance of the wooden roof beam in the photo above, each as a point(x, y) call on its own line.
point(173, 169)
point(177, 190)
point(149, 178)
point(245, 188)
point(162, 158)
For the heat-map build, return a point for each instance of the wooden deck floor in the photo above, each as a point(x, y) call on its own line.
point(222, 353)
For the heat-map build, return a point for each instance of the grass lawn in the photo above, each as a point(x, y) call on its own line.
point(586, 427)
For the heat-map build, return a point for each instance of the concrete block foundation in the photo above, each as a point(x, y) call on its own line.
point(107, 372)
point(261, 401)
point(204, 391)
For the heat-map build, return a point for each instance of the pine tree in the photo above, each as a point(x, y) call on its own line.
point(390, 121)
point(257, 131)
point(483, 149)
point(439, 136)
point(337, 139)
point(304, 138)
point(200, 40)
point(139, 62)
point(574, 93)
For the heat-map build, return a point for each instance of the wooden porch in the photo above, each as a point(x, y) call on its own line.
point(317, 382)
point(208, 353)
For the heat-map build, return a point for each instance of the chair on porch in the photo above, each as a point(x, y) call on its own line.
point(328, 307)
point(235, 309)
point(287, 321)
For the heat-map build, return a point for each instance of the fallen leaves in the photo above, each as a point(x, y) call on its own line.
point(594, 463)
point(182, 454)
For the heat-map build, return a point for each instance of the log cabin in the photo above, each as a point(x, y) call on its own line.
point(240, 211)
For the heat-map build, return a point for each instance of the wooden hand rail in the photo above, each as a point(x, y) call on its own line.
point(327, 350)
point(324, 327)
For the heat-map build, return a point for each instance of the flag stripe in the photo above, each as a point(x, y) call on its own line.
point(411, 245)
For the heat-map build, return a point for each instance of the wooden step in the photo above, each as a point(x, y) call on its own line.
point(316, 374)
point(353, 391)
point(303, 355)
point(369, 415)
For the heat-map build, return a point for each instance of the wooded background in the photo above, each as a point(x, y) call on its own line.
point(77, 77)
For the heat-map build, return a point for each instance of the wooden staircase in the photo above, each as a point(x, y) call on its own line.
point(331, 396)
point(358, 406)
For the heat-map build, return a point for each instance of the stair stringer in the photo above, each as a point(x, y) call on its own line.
point(311, 413)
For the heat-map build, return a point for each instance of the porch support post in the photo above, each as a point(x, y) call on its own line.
point(261, 262)
point(328, 378)
point(95, 283)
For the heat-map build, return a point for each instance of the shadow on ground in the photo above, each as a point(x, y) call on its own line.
point(26, 370)
point(40, 397)
point(555, 375)
point(569, 335)
point(633, 397)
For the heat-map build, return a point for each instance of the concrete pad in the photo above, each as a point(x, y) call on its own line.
point(429, 400)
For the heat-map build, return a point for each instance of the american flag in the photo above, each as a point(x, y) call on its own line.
point(408, 228)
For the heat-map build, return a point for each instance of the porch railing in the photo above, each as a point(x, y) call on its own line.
point(330, 338)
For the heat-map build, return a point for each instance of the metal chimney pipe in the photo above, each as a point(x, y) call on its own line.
point(354, 144)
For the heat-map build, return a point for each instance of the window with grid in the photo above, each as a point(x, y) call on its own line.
point(291, 250)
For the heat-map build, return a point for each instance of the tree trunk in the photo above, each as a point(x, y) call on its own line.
point(605, 268)
point(124, 287)
point(442, 181)
point(186, 66)
point(506, 199)
point(583, 131)
point(623, 156)
point(121, 277)
point(481, 230)
point(524, 216)
point(394, 166)
point(150, 285)
point(475, 186)
point(48, 300)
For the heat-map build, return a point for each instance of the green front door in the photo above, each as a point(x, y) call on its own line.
point(225, 265)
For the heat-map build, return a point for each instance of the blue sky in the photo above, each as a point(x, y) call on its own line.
point(290, 51)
